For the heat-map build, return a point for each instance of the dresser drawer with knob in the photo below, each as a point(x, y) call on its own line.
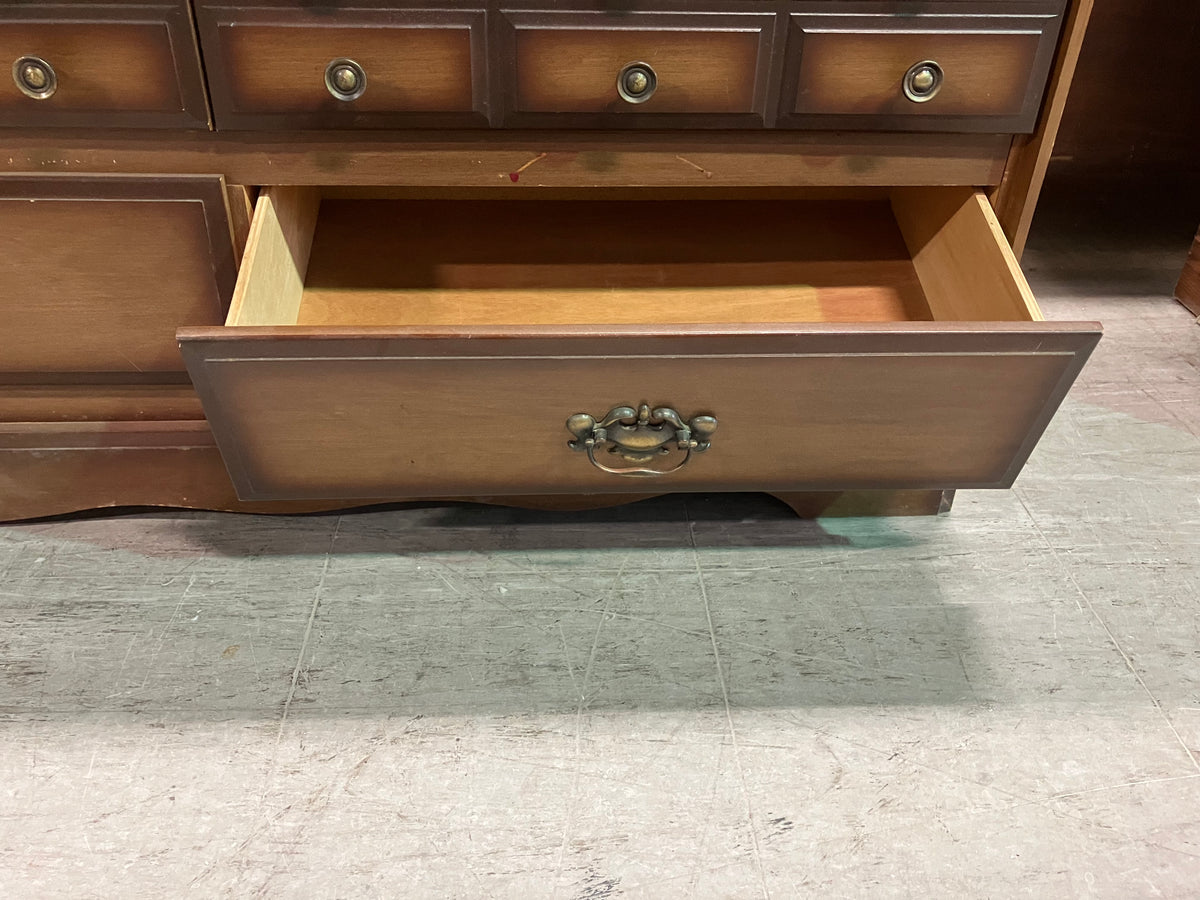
point(661, 69)
point(923, 70)
point(392, 348)
point(291, 65)
point(112, 65)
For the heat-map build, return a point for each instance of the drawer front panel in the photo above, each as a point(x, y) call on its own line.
point(918, 72)
point(98, 272)
point(114, 66)
point(706, 69)
point(299, 414)
point(268, 67)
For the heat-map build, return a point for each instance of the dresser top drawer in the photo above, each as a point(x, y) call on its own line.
point(393, 348)
point(119, 65)
point(273, 66)
point(596, 69)
point(929, 70)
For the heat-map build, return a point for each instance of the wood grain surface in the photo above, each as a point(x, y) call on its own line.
point(848, 71)
point(117, 65)
point(299, 414)
point(1025, 170)
point(568, 63)
point(591, 262)
point(517, 161)
point(98, 272)
point(266, 66)
point(1187, 291)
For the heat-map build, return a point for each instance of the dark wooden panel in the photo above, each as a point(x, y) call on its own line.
point(266, 65)
point(97, 272)
point(63, 477)
point(98, 403)
point(300, 414)
point(118, 65)
point(848, 71)
point(1187, 291)
point(511, 161)
point(1121, 127)
point(561, 68)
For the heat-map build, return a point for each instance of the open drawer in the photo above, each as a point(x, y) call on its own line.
point(419, 348)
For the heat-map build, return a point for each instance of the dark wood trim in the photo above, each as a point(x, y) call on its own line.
point(1025, 170)
point(1187, 291)
point(489, 158)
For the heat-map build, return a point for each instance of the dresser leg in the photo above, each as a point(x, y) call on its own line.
point(868, 503)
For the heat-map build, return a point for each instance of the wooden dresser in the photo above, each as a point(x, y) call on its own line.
point(293, 255)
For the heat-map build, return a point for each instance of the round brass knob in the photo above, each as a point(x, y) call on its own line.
point(345, 79)
point(923, 81)
point(34, 77)
point(636, 82)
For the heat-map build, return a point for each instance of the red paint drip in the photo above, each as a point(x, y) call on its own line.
point(515, 176)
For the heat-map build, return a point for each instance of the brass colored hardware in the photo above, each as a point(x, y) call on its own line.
point(636, 82)
point(35, 77)
point(639, 436)
point(923, 81)
point(345, 79)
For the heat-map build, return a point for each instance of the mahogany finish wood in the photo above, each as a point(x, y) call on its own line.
point(299, 414)
point(1025, 171)
point(72, 439)
point(131, 64)
point(32, 486)
point(266, 65)
point(517, 161)
point(344, 410)
point(1187, 291)
point(848, 71)
point(98, 272)
point(712, 69)
point(98, 403)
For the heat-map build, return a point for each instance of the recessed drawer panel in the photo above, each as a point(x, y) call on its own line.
point(97, 272)
point(286, 65)
point(920, 71)
point(118, 65)
point(583, 69)
point(492, 347)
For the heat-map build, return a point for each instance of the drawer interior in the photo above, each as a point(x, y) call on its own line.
point(928, 254)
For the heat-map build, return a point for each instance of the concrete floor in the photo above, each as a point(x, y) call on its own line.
point(698, 697)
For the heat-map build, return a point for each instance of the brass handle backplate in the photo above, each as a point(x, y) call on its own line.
point(34, 77)
point(923, 81)
point(640, 436)
point(636, 82)
point(345, 79)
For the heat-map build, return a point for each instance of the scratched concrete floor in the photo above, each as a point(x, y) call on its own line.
point(690, 698)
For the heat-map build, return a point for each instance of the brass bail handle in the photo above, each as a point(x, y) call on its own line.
point(639, 436)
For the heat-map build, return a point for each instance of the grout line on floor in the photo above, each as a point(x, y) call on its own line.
point(733, 741)
point(1087, 602)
